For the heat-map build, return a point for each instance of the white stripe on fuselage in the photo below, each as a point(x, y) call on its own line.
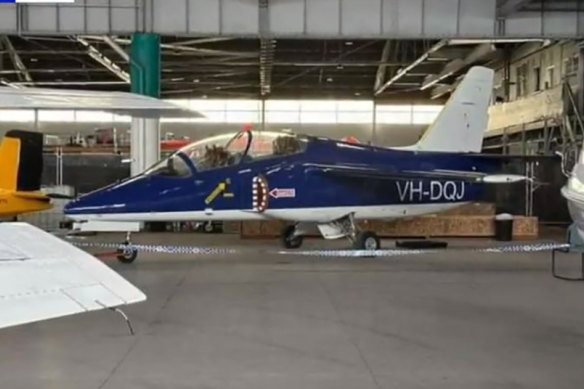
point(318, 215)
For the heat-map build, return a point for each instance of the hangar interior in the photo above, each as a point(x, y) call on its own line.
point(232, 312)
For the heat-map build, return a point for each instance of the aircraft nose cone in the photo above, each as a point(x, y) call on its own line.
point(94, 203)
point(131, 195)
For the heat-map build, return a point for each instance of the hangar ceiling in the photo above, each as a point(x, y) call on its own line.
point(307, 19)
point(223, 67)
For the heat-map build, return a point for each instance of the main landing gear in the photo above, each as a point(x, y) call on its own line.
point(344, 227)
point(127, 253)
point(291, 239)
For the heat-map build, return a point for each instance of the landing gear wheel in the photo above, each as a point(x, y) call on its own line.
point(367, 240)
point(289, 240)
point(208, 227)
point(127, 254)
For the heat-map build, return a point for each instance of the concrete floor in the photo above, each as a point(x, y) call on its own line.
point(260, 320)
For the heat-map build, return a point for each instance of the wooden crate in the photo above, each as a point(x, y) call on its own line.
point(471, 220)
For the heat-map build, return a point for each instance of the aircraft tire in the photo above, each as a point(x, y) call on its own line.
point(127, 255)
point(289, 240)
point(208, 227)
point(367, 240)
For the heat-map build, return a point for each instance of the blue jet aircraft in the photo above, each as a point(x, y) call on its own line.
point(312, 181)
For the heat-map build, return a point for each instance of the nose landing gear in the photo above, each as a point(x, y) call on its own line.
point(126, 252)
point(290, 238)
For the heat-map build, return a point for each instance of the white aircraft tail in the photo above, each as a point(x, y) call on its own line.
point(461, 124)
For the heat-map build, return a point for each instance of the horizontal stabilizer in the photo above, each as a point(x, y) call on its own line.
point(43, 277)
point(385, 173)
point(21, 161)
point(120, 103)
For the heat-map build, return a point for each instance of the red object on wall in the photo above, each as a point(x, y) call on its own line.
point(351, 139)
point(173, 144)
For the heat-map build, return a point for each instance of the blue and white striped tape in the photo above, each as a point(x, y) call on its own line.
point(388, 253)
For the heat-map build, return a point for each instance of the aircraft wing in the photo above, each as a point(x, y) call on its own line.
point(120, 103)
point(384, 173)
point(43, 277)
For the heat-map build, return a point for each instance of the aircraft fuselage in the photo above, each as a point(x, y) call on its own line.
point(293, 187)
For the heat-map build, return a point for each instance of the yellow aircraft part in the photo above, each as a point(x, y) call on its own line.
point(16, 203)
point(9, 161)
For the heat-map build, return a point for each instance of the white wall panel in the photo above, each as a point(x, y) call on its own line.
point(71, 19)
point(381, 19)
point(409, 17)
point(169, 16)
point(204, 16)
point(8, 18)
point(441, 17)
point(560, 23)
point(124, 20)
point(322, 17)
point(390, 17)
point(477, 18)
point(361, 17)
point(42, 18)
point(98, 20)
point(239, 16)
point(286, 16)
point(524, 24)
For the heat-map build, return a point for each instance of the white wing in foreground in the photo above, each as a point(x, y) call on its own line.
point(120, 103)
point(43, 277)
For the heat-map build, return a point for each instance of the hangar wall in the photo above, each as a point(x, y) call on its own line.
point(536, 76)
point(290, 18)
point(534, 112)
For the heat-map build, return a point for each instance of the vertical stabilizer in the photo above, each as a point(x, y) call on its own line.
point(21, 161)
point(461, 124)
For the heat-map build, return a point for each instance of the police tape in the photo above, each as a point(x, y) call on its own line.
point(514, 248)
point(386, 253)
point(158, 249)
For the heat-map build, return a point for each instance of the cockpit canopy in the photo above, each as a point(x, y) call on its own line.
point(228, 150)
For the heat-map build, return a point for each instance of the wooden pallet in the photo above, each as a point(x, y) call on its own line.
point(472, 220)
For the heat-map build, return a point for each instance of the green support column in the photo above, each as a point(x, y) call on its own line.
point(145, 65)
point(145, 80)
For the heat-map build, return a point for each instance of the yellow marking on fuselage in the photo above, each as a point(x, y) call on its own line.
point(220, 188)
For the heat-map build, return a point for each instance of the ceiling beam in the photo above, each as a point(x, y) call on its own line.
point(23, 73)
point(177, 47)
point(512, 6)
point(55, 71)
point(5, 82)
point(121, 52)
point(66, 82)
point(335, 60)
point(456, 65)
point(381, 69)
point(405, 70)
point(201, 41)
point(106, 62)
point(267, 49)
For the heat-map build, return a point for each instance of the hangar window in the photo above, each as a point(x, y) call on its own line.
point(250, 111)
point(56, 116)
point(16, 115)
point(219, 153)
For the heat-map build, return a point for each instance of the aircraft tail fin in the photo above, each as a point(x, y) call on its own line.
point(461, 124)
point(21, 161)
